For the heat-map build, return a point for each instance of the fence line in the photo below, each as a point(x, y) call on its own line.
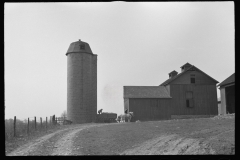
point(28, 125)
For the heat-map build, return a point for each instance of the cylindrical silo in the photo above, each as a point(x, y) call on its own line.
point(81, 83)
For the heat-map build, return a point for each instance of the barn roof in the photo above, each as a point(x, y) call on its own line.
point(173, 72)
point(229, 80)
point(186, 64)
point(145, 92)
point(180, 74)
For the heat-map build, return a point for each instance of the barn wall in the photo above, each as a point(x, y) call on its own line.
point(150, 108)
point(230, 99)
point(204, 97)
point(223, 101)
point(200, 78)
point(219, 108)
point(126, 104)
point(168, 88)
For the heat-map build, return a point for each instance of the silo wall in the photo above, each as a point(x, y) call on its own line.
point(94, 88)
point(81, 87)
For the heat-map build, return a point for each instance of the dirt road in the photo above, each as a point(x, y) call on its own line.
point(57, 143)
point(170, 145)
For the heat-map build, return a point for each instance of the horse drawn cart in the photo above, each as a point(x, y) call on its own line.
point(106, 117)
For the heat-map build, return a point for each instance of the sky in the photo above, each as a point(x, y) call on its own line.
point(137, 43)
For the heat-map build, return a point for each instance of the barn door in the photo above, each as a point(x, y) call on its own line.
point(189, 99)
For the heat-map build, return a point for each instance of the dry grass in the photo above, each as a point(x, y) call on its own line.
point(22, 137)
point(115, 139)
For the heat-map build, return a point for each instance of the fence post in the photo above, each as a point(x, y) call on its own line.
point(14, 127)
point(28, 127)
point(46, 123)
point(35, 122)
point(41, 121)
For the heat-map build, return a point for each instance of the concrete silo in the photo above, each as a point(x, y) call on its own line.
point(81, 83)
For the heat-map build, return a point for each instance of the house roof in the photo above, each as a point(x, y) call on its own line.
point(180, 74)
point(230, 79)
point(145, 92)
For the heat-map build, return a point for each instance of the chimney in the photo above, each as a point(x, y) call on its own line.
point(185, 67)
point(172, 74)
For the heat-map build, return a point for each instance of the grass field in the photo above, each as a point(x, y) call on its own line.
point(214, 135)
point(217, 133)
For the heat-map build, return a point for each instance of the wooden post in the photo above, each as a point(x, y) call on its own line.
point(53, 119)
point(28, 127)
point(41, 121)
point(35, 122)
point(14, 127)
point(46, 123)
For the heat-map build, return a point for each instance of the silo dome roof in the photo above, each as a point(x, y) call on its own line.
point(79, 47)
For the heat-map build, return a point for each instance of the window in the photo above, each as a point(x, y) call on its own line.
point(189, 99)
point(192, 78)
point(82, 46)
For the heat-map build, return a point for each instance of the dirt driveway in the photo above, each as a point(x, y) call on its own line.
point(170, 145)
point(57, 143)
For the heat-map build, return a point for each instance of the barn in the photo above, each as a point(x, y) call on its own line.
point(191, 93)
point(227, 90)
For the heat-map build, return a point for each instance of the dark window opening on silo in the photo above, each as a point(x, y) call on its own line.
point(82, 46)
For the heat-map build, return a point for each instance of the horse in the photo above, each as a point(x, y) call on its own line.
point(125, 117)
point(100, 111)
point(118, 119)
point(128, 116)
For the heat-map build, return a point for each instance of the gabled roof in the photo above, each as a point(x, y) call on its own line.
point(145, 92)
point(230, 79)
point(186, 64)
point(180, 74)
point(173, 72)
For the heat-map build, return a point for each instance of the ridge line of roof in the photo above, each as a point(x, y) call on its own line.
point(175, 77)
point(225, 80)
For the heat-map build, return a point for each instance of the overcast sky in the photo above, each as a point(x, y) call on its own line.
point(137, 44)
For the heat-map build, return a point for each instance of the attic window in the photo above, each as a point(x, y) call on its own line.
point(192, 78)
point(82, 46)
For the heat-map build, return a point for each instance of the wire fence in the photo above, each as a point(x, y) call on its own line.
point(18, 128)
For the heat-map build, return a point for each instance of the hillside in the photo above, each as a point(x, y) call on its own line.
point(186, 136)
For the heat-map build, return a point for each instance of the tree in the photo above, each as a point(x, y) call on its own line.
point(64, 115)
